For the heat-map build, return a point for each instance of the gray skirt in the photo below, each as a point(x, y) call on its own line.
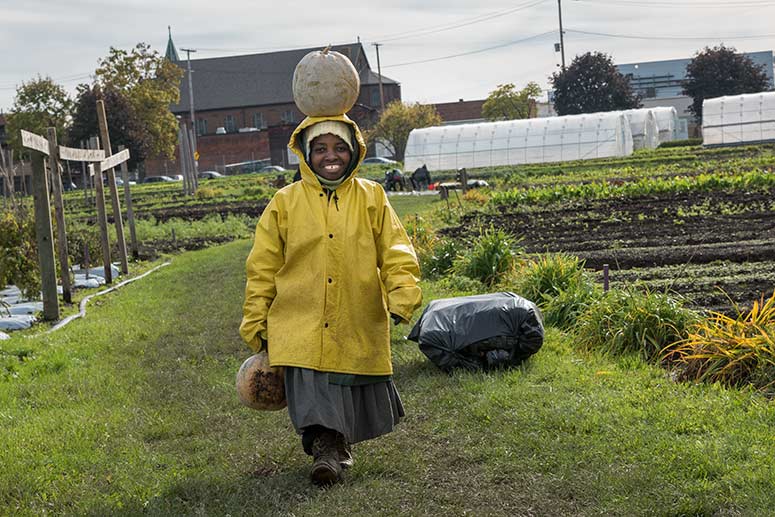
point(358, 412)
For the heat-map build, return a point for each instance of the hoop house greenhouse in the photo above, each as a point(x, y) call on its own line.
point(643, 125)
point(739, 119)
point(667, 123)
point(512, 142)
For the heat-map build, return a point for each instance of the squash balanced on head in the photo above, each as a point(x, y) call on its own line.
point(325, 83)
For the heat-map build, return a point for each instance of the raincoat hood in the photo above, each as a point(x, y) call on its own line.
point(296, 145)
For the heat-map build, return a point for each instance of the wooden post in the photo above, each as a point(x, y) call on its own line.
point(464, 180)
point(59, 213)
point(129, 212)
point(605, 278)
point(103, 121)
point(102, 219)
point(45, 238)
point(194, 168)
point(185, 162)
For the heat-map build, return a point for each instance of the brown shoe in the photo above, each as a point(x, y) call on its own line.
point(344, 451)
point(325, 466)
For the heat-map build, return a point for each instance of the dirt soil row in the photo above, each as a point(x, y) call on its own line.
point(653, 232)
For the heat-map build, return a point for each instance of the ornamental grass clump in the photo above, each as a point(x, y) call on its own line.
point(438, 259)
point(634, 321)
point(735, 351)
point(559, 285)
point(491, 258)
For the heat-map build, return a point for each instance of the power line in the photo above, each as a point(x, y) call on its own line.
point(456, 25)
point(682, 5)
point(682, 38)
point(473, 51)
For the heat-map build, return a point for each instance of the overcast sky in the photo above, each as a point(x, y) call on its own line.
point(439, 50)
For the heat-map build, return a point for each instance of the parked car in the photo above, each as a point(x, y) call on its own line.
point(68, 186)
point(379, 160)
point(120, 182)
point(157, 179)
point(209, 175)
point(271, 168)
point(177, 177)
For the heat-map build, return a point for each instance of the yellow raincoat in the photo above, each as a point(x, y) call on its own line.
point(324, 274)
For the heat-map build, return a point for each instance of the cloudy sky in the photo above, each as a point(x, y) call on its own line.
point(439, 50)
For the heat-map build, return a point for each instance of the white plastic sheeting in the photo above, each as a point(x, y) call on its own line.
point(511, 142)
point(739, 119)
point(667, 123)
point(643, 125)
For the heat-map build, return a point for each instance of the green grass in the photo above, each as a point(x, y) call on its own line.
point(132, 411)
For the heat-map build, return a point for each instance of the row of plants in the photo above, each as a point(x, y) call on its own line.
point(656, 325)
point(18, 247)
point(761, 180)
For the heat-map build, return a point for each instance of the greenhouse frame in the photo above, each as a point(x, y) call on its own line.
point(513, 142)
point(739, 119)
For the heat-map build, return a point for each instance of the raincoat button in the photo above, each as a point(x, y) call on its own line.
point(326, 325)
point(321, 194)
point(330, 280)
point(330, 235)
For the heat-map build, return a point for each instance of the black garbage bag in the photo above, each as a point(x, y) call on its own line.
point(479, 332)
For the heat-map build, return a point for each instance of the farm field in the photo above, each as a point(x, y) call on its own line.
point(132, 410)
point(702, 228)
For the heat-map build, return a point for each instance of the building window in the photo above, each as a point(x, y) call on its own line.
point(201, 126)
point(229, 124)
point(258, 120)
point(289, 117)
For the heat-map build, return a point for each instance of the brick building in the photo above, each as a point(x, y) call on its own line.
point(244, 109)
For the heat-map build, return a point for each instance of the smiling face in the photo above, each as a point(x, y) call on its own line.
point(329, 156)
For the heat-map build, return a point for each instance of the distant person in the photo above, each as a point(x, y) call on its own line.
point(330, 267)
point(421, 178)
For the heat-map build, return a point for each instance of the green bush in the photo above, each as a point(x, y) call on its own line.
point(19, 252)
point(461, 285)
point(559, 285)
point(631, 320)
point(491, 259)
point(543, 277)
point(439, 259)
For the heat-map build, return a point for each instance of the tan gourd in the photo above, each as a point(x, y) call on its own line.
point(259, 385)
point(325, 83)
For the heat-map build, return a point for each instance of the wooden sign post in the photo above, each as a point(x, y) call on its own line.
point(102, 220)
point(130, 217)
point(111, 176)
point(43, 231)
point(59, 213)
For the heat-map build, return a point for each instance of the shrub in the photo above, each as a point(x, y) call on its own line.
point(439, 258)
point(630, 320)
point(19, 252)
point(491, 258)
point(462, 285)
point(734, 351)
point(559, 285)
point(571, 301)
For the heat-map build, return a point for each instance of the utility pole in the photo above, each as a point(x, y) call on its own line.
point(379, 73)
point(562, 43)
point(188, 52)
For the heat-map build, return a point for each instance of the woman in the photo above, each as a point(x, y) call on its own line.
point(331, 264)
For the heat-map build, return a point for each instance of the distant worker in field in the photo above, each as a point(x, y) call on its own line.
point(421, 178)
point(330, 267)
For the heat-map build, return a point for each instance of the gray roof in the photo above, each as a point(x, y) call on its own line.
point(256, 79)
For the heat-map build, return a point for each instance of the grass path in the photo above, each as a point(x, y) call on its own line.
point(132, 411)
